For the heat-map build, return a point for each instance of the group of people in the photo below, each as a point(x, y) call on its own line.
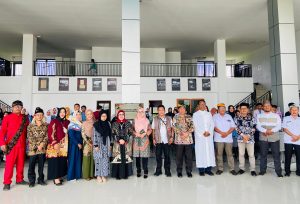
point(85, 144)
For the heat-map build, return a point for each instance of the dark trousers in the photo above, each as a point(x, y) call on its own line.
point(288, 157)
point(40, 159)
point(144, 163)
point(205, 170)
point(184, 151)
point(264, 149)
point(163, 149)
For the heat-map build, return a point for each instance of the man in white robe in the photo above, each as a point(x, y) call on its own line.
point(204, 142)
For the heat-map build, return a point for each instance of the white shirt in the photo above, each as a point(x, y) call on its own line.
point(293, 125)
point(163, 129)
point(223, 123)
point(256, 113)
point(268, 120)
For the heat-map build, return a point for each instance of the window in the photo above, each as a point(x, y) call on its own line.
point(206, 69)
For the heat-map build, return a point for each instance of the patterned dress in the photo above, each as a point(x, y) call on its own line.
point(101, 157)
point(122, 162)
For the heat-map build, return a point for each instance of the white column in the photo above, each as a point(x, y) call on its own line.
point(131, 51)
point(28, 58)
point(220, 60)
point(284, 75)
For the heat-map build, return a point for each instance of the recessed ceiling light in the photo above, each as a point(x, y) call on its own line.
point(38, 36)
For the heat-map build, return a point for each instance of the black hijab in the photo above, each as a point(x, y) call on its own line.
point(103, 127)
point(58, 112)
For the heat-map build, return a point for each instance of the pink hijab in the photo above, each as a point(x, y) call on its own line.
point(141, 122)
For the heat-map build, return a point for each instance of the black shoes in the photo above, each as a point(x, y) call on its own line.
point(157, 173)
point(42, 183)
point(31, 185)
point(279, 175)
point(219, 172)
point(138, 175)
point(168, 174)
point(241, 171)
point(22, 183)
point(190, 175)
point(233, 172)
point(201, 173)
point(145, 176)
point(179, 175)
point(253, 173)
point(261, 173)
point(6, 187)
point(210, 173)
point(287, 174)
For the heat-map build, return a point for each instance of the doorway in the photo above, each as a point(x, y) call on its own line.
point(106, 106)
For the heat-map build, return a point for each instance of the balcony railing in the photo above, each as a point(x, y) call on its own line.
point(199, 69)
point(53, 68)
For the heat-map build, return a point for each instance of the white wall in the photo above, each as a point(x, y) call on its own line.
point(298, 53)
point(261, 66)
point(107, 54)
point(56, 98)
point(153, 55)
point(173, 57)
point(83, 55)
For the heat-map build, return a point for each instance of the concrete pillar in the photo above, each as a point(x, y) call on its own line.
point(131, 88)
point(284, 74)
point(220, 60)
point(28, 58)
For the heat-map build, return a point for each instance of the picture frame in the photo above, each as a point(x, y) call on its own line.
point(43, 84)
point(64, 84)
point(175, 84)
point(97, 84)
point(192, 84)
point(206, 85)
point(81, 84)
point(111, 84)
point(161, 84)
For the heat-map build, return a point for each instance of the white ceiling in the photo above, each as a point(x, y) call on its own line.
point(189, 26)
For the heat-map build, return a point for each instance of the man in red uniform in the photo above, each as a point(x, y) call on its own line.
point(13, 144)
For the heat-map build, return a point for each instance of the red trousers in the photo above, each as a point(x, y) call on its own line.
point(15, 157)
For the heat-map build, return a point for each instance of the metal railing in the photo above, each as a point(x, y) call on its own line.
point(201, 69)
point(252, 100)
point(5, 107)
point(77, 69)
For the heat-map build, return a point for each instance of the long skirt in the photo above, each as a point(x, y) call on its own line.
point(123, 169)
point(57, 167)
point(87, 167)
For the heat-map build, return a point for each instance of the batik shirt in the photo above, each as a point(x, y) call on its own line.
point(245, 126)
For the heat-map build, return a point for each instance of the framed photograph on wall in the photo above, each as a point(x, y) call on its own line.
point(111, 84)
point(175, 84)
point(63, 84)
point(97, 84)
point(206, 85)
point(81, 84)
point(161, 84)
point(192, 84)
point(43, 84)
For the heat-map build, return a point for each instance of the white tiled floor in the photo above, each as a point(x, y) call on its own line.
point(222, 189)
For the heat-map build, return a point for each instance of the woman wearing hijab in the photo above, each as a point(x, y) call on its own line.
point(57, 149)
point(87, 136)
point(235, 149)
point(102, 138)
point(75, 148)
point(141, 148)
point(122, 149)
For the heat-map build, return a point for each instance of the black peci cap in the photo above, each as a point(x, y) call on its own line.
point(17, 103)
point(38, 110)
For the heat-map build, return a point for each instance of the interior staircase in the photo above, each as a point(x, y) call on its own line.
point(5, 107)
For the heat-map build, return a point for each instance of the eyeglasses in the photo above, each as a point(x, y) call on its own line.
point(121, 114)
